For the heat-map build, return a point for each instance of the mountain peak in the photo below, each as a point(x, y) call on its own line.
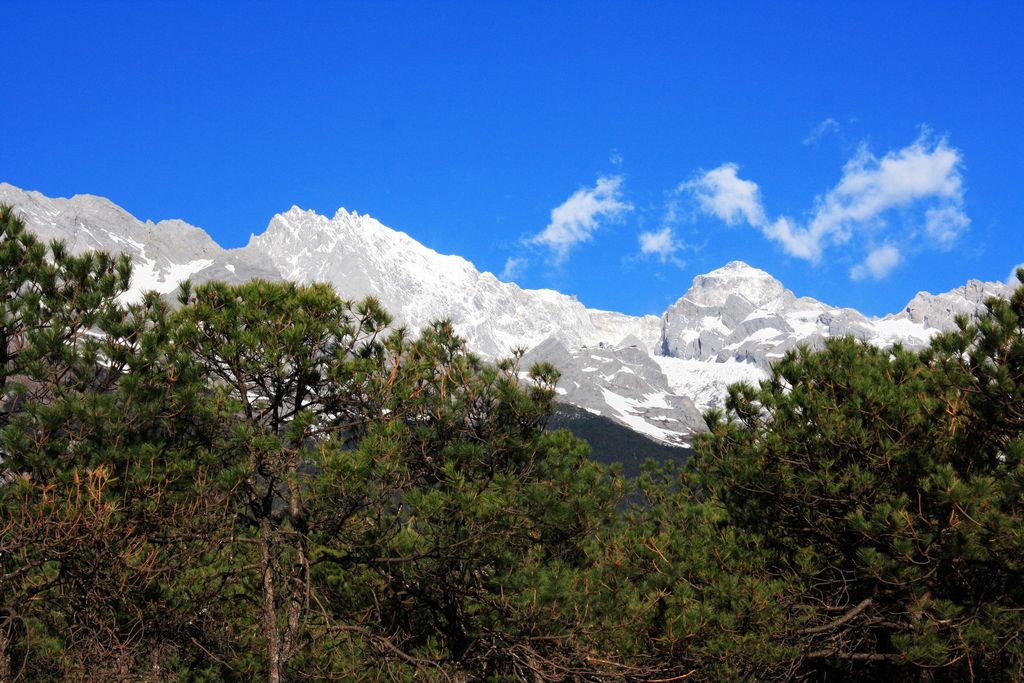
point(305, 227)
point(296, 219)
point(735, 277)
point(737, 266)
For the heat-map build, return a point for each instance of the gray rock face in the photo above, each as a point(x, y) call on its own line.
point(624, 383)
point(736, 312)
point(355, 253)
point(741, 313)
point(939, 311)
point(361, 257)
point(163, 253)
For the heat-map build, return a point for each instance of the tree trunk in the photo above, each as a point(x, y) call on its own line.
point(6, 628)
point(270, 630)
point(300, 588)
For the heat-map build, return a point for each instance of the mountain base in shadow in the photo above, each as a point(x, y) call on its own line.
point(612, 443)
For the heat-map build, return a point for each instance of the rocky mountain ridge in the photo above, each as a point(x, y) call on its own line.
point(361, 257)
point(653, 375)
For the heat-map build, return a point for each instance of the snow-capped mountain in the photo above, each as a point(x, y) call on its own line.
point(744, 314)
point(163, 253)
point(729, 327)
point(653, 375)
point(361, 257)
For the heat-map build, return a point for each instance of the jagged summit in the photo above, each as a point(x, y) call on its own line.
point(164, 253)
point(937, 310)
point(738, 268)
point(360, 256)
point(741, 313)
point(735, 278)
point(299, 230)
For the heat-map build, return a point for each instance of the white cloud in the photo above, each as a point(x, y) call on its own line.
point(720, 192)
point(829, 125)
point(868, 191)
point(795, 240)
point(945, 224)
point(878, 264)
point(661, 243)
point(576, 219)
point(615, 158)
point(514, 267)
point(871, 186)
point(1012, 279)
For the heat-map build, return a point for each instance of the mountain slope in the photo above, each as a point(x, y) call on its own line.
point(163, 253)
point(611, 442)
point(740, 313)
point(361, 257)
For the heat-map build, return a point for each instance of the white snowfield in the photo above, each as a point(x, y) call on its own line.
point(655, 375)
point(705, 383)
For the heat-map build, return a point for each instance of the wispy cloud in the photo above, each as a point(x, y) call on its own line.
point(576, 219)
point(945, 224)
point(871, 186)
point(514, 267)
point(826, 127)
point(925, 175)
point(721, 192)
point(661, 243)
point(878, 264)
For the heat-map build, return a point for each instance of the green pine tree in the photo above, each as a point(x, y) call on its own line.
point(104, 437)
point(857, 515)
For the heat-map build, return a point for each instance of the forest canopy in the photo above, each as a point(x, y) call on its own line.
point(268, 481)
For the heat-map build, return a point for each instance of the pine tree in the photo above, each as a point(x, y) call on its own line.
point(104, 454)
point(290, 358)
point(269, 482)
point(395, 500)
point(464, 523)
point(857, 515)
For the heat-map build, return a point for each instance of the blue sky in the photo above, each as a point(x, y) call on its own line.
point(859, 152)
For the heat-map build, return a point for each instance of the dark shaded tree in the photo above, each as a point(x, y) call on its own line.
point(394, 500)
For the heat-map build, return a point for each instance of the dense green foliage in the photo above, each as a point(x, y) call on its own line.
point(269, 482)
point(857, 515)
